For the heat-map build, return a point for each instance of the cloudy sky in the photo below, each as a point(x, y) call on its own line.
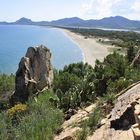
point(11, 10)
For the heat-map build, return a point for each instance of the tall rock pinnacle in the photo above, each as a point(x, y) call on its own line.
point(35, 73)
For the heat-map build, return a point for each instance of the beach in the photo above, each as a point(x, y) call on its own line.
point(90, 48)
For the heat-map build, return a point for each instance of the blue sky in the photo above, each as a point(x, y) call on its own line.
point(11, 10)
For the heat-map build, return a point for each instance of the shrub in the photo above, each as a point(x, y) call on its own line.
point(64, 81)
point(74, 85)
point(93, 120)
point(17, 110)
point(82, 134)
point(40, 122)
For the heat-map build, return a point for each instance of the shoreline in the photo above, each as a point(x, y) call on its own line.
point(91, 49)
point(67, 33)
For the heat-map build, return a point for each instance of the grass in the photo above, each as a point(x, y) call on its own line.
point(92, 122)
point(82, 134)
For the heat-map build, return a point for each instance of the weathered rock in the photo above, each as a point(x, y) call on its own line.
point(69, 114)
point(124, 108)
point(136, 126)
point(67, 138)
point(34, 73)
point(72, 126)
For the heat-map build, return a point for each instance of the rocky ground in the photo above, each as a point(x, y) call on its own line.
point(72, 125)
point(123, 122)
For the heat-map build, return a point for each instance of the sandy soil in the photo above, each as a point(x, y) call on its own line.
point(91, 49)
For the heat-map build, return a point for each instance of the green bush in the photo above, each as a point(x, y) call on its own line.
point(110, 70)
point(74, 85)
point(64, 81)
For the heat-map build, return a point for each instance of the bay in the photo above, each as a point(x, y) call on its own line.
point(15, 39)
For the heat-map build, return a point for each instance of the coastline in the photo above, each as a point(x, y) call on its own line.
point(91, 49)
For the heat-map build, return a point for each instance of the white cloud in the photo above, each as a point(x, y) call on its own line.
point(136, 6)
point(133, 16)
point(135, 10)
point(99, 8)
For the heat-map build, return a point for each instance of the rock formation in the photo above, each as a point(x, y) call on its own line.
point(123, 123)
point(34, 73)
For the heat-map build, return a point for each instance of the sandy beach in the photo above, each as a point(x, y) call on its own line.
point(91, 49)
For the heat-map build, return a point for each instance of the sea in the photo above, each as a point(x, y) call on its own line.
point(15, 39)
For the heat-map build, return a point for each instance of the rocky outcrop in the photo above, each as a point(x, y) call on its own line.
point(34, 73)
point(71, 127)
point(123, 123)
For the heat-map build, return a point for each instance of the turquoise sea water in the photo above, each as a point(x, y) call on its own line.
point(15, 39)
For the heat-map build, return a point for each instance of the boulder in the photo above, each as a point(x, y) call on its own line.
point(35, 73)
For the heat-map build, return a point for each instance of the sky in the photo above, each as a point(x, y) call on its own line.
point(47, 10)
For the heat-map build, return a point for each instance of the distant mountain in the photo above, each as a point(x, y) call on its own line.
point(24, 21)
point(116, 22)
point(74, 21)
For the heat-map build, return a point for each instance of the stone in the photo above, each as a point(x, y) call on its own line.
point(103, 121)
point(35, 73)
point(126, 103)
point(67, 117)
point(67, 138)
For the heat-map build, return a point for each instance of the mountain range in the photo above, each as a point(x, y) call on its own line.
point(117, 22)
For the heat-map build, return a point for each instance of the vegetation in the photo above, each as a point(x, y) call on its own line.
point(17, 110)
point(82, 134)
point(78, 84)
point(75, 86)
point(7, 83)
point(33, 121)
point(118, 38)
point(93, 121)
